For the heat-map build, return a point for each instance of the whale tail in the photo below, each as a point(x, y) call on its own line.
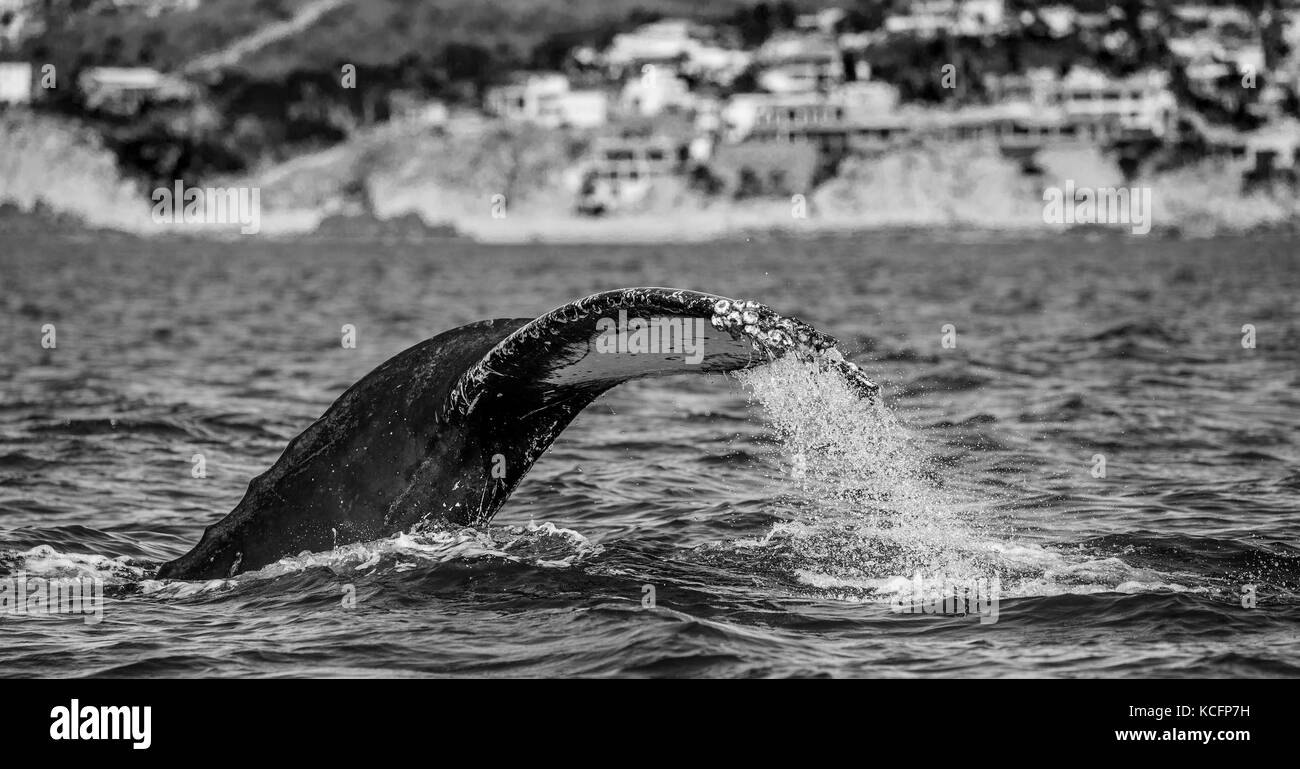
point(448, 428)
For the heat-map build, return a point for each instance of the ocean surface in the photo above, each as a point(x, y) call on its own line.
point(1102, 434)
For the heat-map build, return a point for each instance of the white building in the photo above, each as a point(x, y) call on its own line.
point(1196, 48)
point(928, 18)
point(1281, 142)
point(717, 64)
point(1140, 102)
point(746, 112)
point(661, 41)
point(15, 82)
point(522, 100)
point(546, 99)
point(1213, 17)
point(622, 173)
point(1087, 96)
point(576, 109)
point(124, 89)
point(675, 43)
point(980, 17)
point(863, 100)
point(799, 63)
point(844, 106)
point(656, 90)
point(1061, 20)
point(1037, 86)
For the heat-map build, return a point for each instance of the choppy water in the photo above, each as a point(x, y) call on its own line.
point(776, 520)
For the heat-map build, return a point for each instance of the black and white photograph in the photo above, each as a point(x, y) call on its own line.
point(628, 339)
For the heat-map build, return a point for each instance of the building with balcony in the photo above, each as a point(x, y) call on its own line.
point(546, 99)
point(799, 63)
point(622, 171)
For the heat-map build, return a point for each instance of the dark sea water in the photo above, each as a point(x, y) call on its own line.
point(774, 537)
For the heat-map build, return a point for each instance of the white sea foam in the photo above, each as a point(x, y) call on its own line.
point(45, 562)
point(544, 545)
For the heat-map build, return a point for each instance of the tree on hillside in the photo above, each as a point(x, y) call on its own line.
point(754, 24)
point(469, 62)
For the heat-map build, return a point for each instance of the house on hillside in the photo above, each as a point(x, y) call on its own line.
point(16, 84)
point(793, 62)
point(546, 99)
point(1213, 17)
point(677, 45)
point(769, 116)
point(621, 172)
point(740, 114)
point(1140, 103)
point(521, 100)
point(1093, 100)
point(923, 19)
point(670, 41)
point(1061, 20)
point(866, 98)
point(1036, 86)
point(657, 89)
point(928, 18)
point(1273, 155)
point(124, 91)
point(981, 17)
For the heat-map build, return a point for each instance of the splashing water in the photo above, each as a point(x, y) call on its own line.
point(842, 447)
point(876, 515)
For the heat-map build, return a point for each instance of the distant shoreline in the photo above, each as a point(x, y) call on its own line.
point(419, 187)
point(55, 225)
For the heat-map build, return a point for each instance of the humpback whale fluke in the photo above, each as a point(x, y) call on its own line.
point(447, 429)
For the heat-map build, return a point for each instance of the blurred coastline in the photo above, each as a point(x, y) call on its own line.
point(797, 118)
